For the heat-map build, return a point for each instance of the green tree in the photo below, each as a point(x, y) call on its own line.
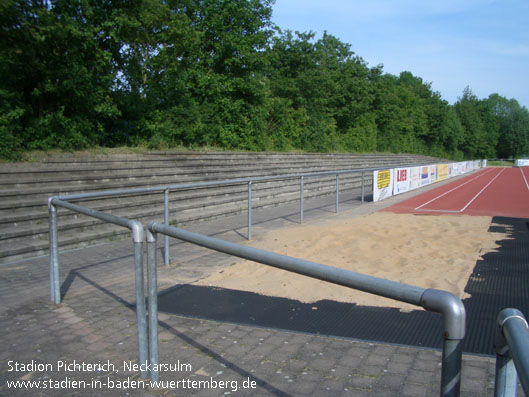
point(512, 122)
point(478, 141)
point(59, 73)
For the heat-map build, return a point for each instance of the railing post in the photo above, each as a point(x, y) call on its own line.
point(55, 288)
point(166, 258)
point(451, 367)
point(454, 324)
point(505, 378)
point(137, 233)
point(301, 200)
point(363, 187)
point(249, 210)
point(512, 353)
point(152, 299)
point(337, 192)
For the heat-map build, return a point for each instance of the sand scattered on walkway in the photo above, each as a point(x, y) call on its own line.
point(426, 251)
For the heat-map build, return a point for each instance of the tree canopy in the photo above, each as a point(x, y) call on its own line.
point(83, 73)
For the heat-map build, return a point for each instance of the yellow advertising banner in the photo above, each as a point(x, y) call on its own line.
point(383, 179)
point(382, 184)
point(442, 172)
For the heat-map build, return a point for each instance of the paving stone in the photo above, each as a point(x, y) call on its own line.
point(420, 377)
point(362, 381)
point(473, 385)
point(426, 365)
point(377, 359)
point(393, 381)
point(399, 368)
point(414, 390)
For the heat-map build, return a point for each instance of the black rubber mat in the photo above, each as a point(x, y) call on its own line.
point(499, 280)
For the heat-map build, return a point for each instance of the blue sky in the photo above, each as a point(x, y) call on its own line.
point(449, 43)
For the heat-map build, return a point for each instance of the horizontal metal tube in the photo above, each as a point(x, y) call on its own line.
point(378, 286)
point(135, 226)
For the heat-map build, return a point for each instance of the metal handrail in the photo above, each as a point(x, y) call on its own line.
point(512, 353)
point(137, 238)
point(445, 303)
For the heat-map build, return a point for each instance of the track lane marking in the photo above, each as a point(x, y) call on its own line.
point(523, 174)
point(482, 190)
point(449, 191)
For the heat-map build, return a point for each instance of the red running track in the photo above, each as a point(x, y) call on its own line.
point(490, 192)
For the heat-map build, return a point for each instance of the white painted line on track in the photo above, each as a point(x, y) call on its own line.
point(523, 174)
point(449, 191)
point(482, 190)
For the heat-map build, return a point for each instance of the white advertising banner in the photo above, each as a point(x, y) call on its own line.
point(395, 181)
point(433, 173)
point(382, 184)
point(425, 175)
point(401, 182)
point(522, 162)
point(415, 177)
point(452, 170)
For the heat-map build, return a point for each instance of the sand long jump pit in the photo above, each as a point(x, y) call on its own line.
point(425, 251)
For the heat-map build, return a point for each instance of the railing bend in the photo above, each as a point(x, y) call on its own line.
point(136, 229)
point(512, 353)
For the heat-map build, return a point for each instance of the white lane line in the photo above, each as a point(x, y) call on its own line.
point(526, 184)
point(481, 191)
point(449, 191)
point(443, 211)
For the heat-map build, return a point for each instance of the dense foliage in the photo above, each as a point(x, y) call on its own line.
point(82, 73)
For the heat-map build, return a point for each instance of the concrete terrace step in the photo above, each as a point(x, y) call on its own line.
point(37, 199)
point(27, 186)
point(89, 231)
point(32, 224)
point(147, 176)
point(95, 173)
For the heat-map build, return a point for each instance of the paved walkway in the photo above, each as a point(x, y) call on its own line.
point(88, 344)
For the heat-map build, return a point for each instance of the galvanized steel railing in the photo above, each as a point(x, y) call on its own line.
point(137, 238)
point(447, 304)
point(512, 353)
point(137, 230)
point(230, 182)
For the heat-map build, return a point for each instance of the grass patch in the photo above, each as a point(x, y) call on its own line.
point(500, 163)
